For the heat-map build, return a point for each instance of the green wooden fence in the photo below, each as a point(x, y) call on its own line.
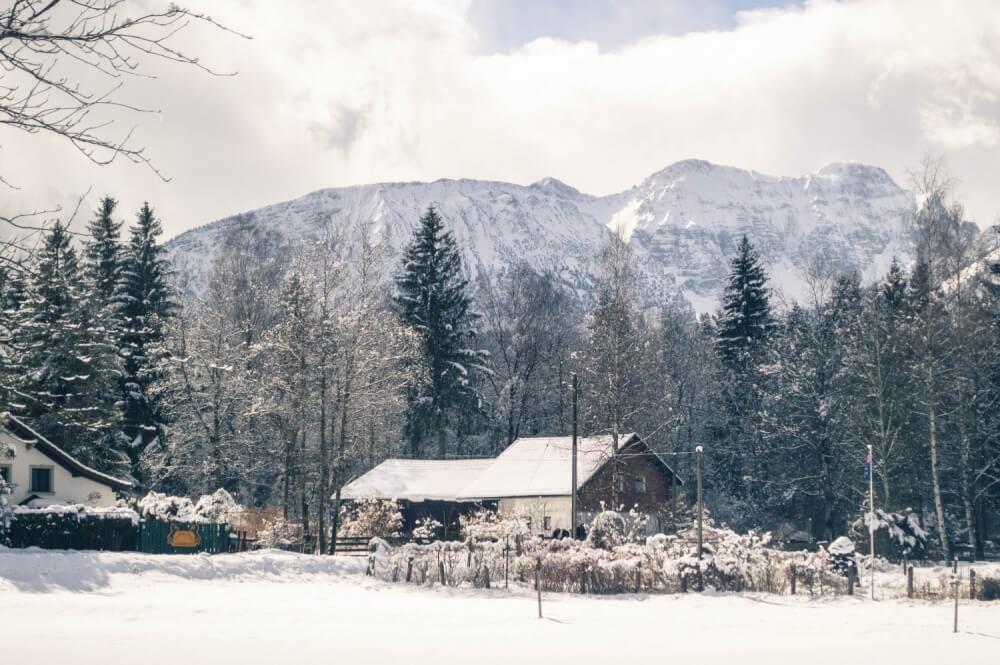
point(159, 537)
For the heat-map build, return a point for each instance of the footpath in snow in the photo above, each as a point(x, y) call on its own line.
point(275, 607)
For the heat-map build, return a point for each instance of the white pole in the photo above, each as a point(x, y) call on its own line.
point(871, 518)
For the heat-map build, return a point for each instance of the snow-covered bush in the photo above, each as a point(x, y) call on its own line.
point(898, 536)
point(5, 512)
point(276, 531)
point(842, 556)
point(75, 527)
point(218, 507)
point(490, 525)
point(607, 530)
point(371, 518)
point(164, 507)
point(427, 529)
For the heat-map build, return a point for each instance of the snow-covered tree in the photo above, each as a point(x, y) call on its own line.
point(145, 303)
point(431, 299)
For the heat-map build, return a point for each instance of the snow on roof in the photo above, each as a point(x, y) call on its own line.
point(541, 467)
point(416, 480)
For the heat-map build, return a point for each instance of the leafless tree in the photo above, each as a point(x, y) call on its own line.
point(50, 48)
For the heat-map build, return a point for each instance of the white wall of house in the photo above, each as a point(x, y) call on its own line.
point(547, 513)
point(66, 488)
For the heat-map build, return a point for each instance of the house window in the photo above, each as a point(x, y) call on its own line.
point(5, 473)
point(41, 479)
point(547, 523)
point(640, 485)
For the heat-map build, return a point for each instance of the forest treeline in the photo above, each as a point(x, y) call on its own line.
point(304, 364)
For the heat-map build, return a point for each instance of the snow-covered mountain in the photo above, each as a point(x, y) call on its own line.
point(684, 223)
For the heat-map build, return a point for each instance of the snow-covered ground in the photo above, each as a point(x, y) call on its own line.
point(273, 607)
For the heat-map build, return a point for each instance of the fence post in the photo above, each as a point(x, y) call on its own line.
point(409, 569)
point(441, 571)
point(638, 579)
point(972, 584)
point(538, 585)
point(793, 579)
point(850, 583)
point(909, 582)
point(957, 583)
point(506, 561)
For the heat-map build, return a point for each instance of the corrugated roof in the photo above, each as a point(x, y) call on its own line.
point(540, 466)
point(416, 480)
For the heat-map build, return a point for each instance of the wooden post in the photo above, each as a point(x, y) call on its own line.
point(793, 579)
point(441, 571)
point(538, 585)
point(573, 480)
point(909, 582)
point(972, 584)
point(955, 566)
point(506, 561)
point(850, 583)
point(638, 579)
point(409, 569)
point(583, 579)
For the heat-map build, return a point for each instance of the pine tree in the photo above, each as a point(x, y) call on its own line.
point(144, 302)
point(103, 260)
point(67, 369)
point(431, 299)
point(745, 328)
point(746, 322)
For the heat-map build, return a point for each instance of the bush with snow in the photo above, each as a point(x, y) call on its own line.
point(607, 530)
point(491, 525)
point(217, 507)
point(371, 518)
point(427, 528)
point(898, 535)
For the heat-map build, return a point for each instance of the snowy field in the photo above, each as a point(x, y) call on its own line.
point(274, 607)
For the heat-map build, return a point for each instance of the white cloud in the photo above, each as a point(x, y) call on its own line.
point(337, 93)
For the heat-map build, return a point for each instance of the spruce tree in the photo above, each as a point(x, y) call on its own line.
point(67, 372)
point(144, 302)
point(745, 328)
point(431, 299)
point(103, 252)
point(746, 322)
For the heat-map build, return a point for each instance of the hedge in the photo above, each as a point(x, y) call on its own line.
point(72, 527)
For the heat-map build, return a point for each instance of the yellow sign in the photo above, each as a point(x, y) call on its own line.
point(183, 537)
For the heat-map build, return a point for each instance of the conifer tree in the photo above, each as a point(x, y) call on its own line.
point(66, 367)
point(746, 322)
point(144, 302)
point(103, 252)
point(431, 299)
point(745, 328)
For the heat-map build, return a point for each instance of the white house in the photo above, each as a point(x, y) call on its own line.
point(532, 477)
point(41, 474)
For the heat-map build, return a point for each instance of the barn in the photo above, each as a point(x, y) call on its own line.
point(532, 477)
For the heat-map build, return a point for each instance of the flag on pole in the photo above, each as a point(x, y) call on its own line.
point(868, 465)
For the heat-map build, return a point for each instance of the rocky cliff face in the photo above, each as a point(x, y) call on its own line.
point(684, 223)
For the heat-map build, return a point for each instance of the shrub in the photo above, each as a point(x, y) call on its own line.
point(988, 589)
point(74, 527)
point(371, 518)
point(607, 530)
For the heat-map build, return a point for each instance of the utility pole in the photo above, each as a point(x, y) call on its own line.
point(871, 518)
point(572, 484)
point(697, 465)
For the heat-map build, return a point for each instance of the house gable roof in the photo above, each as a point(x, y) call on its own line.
point(416, 480)
point(29, 436)
point(540, 466)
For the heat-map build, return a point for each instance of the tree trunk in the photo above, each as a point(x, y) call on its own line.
point(324, 462)
point(935, 477)
point(970, 520)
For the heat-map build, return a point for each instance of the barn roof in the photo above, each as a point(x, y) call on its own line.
point(416, 480)
point(540, 466)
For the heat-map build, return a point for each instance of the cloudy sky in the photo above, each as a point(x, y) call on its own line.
point(598, 93)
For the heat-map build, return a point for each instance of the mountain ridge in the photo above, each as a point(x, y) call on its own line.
point(683, 222)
